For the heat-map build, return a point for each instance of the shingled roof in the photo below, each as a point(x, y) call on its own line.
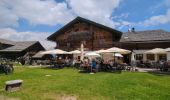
point(80, 19)
point(38, 55)
point(144, 36)
point(19, 46)
point(4, 41)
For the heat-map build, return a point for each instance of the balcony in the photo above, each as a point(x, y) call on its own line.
point(79, 36)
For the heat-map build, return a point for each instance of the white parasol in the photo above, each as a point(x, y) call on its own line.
point(117, 55)
point(156, 51)
point(75, 52)
point(92, 54)
point(56, 51)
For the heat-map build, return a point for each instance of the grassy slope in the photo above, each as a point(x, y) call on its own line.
point(100, 86)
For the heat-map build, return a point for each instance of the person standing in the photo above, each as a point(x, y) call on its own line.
point(133, 65)
point(94, 64)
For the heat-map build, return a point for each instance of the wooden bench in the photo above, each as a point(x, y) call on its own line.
point(13, 85)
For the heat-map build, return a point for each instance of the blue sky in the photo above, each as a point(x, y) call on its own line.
point(37, 19)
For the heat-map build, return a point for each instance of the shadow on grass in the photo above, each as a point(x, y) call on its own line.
point(52, 68)
point(115, 72)
point(1, 72)
point(57, 68)
point(159, 73)
point(81, 71)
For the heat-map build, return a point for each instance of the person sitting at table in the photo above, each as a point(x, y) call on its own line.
point(85, 64)
point(111, 63)
point(102, 64)
point(66, 61)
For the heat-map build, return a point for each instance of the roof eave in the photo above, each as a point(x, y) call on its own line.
point(51, 37)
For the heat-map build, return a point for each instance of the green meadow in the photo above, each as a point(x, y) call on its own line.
point(69, 84)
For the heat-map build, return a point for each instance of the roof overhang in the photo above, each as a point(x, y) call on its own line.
point(159, 41)
point(80, 19)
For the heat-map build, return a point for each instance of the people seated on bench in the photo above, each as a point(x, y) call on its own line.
point(85, 65)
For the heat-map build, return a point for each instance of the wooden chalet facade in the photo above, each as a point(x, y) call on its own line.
point(94, 36)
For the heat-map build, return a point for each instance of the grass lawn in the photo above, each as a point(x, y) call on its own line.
point(68, 83)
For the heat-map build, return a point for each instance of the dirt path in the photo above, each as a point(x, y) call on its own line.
point(8, 98)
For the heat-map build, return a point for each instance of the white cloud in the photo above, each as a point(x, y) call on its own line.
point(99, 11)
point(7, 17)
point(49, 12)
point(159, 19)
point(123, 15)
point(46, 12)
point(126, 24)
point(11, 34)
point(167, 3)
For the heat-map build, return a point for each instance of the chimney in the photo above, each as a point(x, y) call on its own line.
point(133, 29)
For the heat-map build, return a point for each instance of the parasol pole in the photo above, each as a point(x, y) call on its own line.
point(114, 60)
point(82, 52)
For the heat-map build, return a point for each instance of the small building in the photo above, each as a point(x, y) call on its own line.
point(141, 41)
point(19, 49)
point(93, 35)
point(40, 56)
point(5, 43)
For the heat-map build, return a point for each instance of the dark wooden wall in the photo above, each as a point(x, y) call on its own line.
point(101, 38)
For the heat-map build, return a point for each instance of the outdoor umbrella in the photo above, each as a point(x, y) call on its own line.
point(56, 51)
point(102, 51)
point(75, 52)
point(92, 54)
point(167, 49)
point(156, 51)
point(117, 55)
point(118, 50)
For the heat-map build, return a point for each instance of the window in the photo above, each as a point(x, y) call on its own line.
point(69, 31)
point(139, 56)
point(150, 57)
point(162, 57)
point(68, 44)
point(86, 28)
point(95, 36)
point(101, 42)
point(76, 30)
